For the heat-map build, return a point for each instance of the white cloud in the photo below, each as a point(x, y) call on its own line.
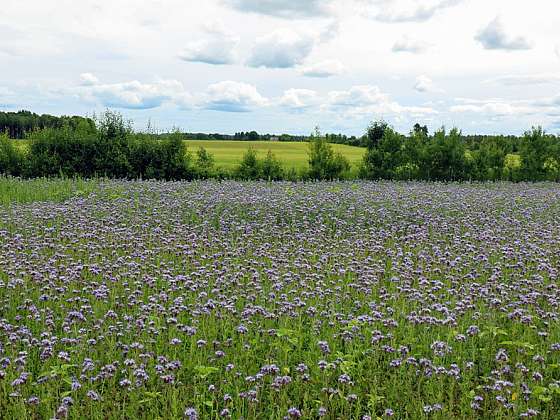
point(88, 79)
point(356, 96)
point(423, 84)
point(493, 107)
point(364, 100)
point(557, 50)
point(281, 49)
point(227, 96)
point(218, 47)
point(230, 96)
point(526, 79)
point(282, 8)
point(494, 37)
point(329, 32)
point(299, 98)
point(326, 68)
point(410, 45)
point(130, 95)
point(398, 11)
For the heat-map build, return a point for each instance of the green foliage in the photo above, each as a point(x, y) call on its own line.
point(110, 149)
point(20, 124)
point(512, 166)
point(250, 166)
point(384, 157)
point(444, 157)
point(375, 133)
point(451, 156)
point(324, 163)
point(204, 164)
point(272, 168)
point(11, 159)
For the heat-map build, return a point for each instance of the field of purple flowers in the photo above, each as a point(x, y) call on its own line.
point(256, 300)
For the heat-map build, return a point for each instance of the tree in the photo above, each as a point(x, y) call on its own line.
point(420, 130)
point(11, 159)
point(375, 132)
point(443, 158)
point(204, 163)
point(323, 162)
point(382, 160)
point(271, 168)
point(250, 166)
point(512, 165)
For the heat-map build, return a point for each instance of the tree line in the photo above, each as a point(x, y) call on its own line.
point(109, 147)
point(17, 125)
point(450, 156)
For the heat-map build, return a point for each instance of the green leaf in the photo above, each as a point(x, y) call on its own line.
point(205, 371)
point(284, 332)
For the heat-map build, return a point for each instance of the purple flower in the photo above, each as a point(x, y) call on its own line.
point(191, 414)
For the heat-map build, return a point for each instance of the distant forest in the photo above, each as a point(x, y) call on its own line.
point(19, 124)
point(108, 146)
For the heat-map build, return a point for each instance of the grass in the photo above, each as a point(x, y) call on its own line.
point(15, 190)
point(228, 154)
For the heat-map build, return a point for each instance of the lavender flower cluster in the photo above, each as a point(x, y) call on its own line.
point(277, 300)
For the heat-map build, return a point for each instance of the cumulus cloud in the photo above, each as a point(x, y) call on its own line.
point(423, 84)
point(282, 8)
point(557, 50)
point(230, 96)
point(218, 47)
point(130, 95)
point(326, 68)
point(494, 37)
point(299, 98)
point(369, 100)
point(398, 11)
point(227, 96)
point(356, 96)
point(527, 79)
point(410, 45)
point(281, 49)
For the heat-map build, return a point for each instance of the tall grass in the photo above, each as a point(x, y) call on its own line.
point(16, 190)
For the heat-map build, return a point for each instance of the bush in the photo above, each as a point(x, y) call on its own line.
point(323, 162)
point(111, 149)
point(204, 165)
point(250, 167)
point(11, 159)
point(272, 168)
point(65, 151)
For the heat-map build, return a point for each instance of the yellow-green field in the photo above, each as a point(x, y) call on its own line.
point(228, 154)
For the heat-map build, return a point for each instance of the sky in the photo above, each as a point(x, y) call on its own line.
point(286, 66)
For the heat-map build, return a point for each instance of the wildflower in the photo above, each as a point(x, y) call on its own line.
point(191, 414)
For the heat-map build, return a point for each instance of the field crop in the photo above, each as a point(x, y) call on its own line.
point(276, 300)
